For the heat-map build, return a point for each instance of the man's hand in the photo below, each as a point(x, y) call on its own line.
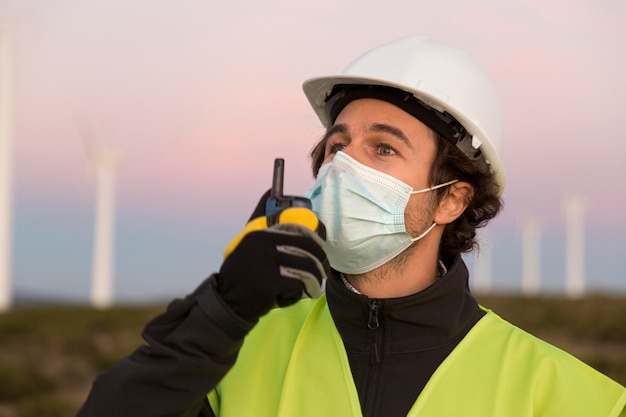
point(273, 261)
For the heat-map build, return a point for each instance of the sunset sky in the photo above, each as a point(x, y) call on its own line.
point(200, 96)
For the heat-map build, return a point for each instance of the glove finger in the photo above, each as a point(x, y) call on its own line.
point(312, 287)
point(296, 251)
point(297, 236)
point(307, 269)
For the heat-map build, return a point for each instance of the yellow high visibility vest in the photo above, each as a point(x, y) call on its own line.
point(294, 364)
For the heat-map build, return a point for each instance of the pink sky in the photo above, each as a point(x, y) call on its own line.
point(200, 98)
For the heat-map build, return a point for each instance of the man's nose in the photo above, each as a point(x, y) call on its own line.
point(353, 152)
point(358, 153)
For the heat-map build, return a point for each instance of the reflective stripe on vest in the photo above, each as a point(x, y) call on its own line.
point(293, 364)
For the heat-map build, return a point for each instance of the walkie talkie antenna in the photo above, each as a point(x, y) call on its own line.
point(277, 201)
point(278, 180)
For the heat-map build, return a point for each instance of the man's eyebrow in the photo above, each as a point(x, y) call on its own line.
point(393, 131)
point(340, 128)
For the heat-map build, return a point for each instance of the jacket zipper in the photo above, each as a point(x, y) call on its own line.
point(373, 324)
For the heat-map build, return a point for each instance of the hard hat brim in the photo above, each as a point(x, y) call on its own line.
point(318, 89)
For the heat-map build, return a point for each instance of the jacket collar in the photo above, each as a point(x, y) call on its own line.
point(435, 316)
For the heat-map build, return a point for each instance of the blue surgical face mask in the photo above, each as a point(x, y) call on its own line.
point(363, 211)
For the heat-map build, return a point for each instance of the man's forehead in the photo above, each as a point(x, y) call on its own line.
point(443, 124)
point(374, 115)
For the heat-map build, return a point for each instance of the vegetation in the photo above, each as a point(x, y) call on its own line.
point(50, 355)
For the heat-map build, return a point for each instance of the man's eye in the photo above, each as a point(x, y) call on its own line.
point(386, 150)
point(336, 147)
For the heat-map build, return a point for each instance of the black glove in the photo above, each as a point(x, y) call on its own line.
point(273, 266)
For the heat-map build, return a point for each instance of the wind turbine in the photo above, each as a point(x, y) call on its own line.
point(6, 166)
point(105, 161)
point(575, 246)
point(531, 257)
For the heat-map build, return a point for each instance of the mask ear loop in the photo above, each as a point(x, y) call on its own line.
point(432, 226)
point(434, 187)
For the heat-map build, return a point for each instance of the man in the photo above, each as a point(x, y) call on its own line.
point(407, 170)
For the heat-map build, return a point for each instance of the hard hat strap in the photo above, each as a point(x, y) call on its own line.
point(442, 123)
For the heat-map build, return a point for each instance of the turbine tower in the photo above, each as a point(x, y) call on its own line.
point(6, 166)
point(105, 161)
point(531, 257)
point(575, 246)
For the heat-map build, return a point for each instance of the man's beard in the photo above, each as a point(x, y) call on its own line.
point(395, 267)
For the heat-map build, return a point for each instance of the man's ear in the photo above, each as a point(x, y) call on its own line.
point(454, 203)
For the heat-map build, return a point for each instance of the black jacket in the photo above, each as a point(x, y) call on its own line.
point(393, 345)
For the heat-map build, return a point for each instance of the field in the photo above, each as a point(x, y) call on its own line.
point(50, 355)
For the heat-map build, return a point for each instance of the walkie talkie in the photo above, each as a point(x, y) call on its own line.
point(277, 202)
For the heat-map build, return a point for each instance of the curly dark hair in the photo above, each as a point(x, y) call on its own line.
point(451, 163)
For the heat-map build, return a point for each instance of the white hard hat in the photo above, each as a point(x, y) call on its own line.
point(444, 78)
